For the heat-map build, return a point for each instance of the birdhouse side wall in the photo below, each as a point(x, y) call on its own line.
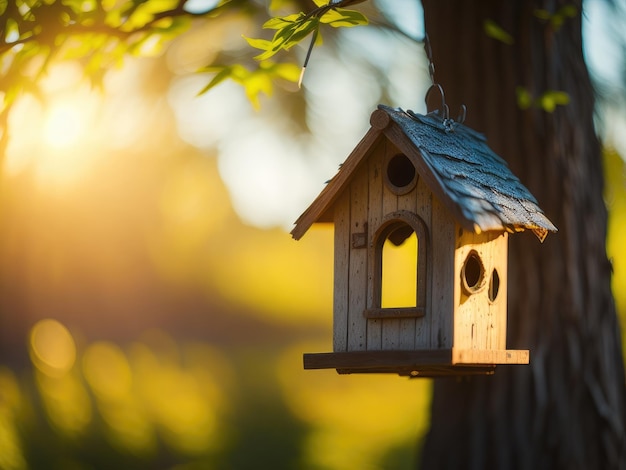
point(480, 290)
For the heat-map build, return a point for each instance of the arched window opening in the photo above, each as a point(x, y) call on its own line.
point(399, 268)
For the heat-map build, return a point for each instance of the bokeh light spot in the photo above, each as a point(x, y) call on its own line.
point(52, 348)
point(66, 402)
point(107, 370)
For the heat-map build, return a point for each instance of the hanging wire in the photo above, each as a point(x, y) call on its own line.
point(445, 110)
point(429, 55)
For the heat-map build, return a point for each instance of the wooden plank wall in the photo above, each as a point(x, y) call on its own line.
point(407, 333)
point(406, 326)
point(452, 318)
point(363, 207)
point(480, 323)
point(374, 326)
point(391, 327)
point(501, 255)
point(423, 208)
point(341, 279)
point(357, 297)
point(442, 289)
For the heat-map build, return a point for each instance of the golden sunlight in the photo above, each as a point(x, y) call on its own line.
point(64, 125)
point(69, 138)
point(354, 420)
point(59, 136)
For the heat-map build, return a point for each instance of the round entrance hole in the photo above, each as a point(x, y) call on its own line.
point(401, 174)
point(494, 285)
point(472, 273)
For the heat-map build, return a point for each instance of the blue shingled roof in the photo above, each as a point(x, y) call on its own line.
point(474, 183)
point(471, 175)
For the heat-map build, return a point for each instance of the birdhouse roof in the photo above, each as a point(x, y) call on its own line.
point(474, 183)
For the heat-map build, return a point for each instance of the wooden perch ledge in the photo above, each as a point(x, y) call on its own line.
point(419, 363)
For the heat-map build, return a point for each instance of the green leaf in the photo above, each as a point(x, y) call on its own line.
point(262, 44)
point(281, 21)
point(224, 72)
point(557, 19)
point(548, 101)
point(341, 17)
point(255, 84)
point(301, 32)
point(286, 71)
point(493, 30)
point(551, 99)
point(288, 36)
point(285, 33)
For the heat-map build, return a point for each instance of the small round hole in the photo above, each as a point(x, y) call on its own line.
point(401, 174)
point(473, 273)
point(494, 285)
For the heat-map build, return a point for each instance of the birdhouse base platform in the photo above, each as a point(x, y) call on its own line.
point(419, 363)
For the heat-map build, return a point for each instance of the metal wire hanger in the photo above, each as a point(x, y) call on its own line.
point(444, 112)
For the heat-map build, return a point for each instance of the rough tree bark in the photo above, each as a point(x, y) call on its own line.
point(567, 409)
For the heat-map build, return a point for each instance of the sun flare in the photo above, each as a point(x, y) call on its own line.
point(59, 139)
point(64, 125)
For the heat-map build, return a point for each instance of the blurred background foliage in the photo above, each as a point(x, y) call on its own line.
point(153, 308)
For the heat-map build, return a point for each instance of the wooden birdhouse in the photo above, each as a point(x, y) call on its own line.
point(435, 186)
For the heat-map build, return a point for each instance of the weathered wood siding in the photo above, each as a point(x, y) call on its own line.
point(452, 317)
point(423, 208)
point(395, 333)
point(374, 326)
point(341, 280)
point(357, 283)
point(480, 323)
point(389, 203)
point(442, 279)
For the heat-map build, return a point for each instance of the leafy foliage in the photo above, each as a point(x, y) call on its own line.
point(495, 31)
point(290, 30)
point(253, 81)
point(99, 33)
point(557, 19)
point(548, 101)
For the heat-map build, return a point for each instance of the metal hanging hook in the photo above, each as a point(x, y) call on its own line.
point(444, 112)
point(462, 114)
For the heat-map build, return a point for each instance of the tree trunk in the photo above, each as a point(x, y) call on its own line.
point(567, 409)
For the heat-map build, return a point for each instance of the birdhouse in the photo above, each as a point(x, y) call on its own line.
point(433, 189)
